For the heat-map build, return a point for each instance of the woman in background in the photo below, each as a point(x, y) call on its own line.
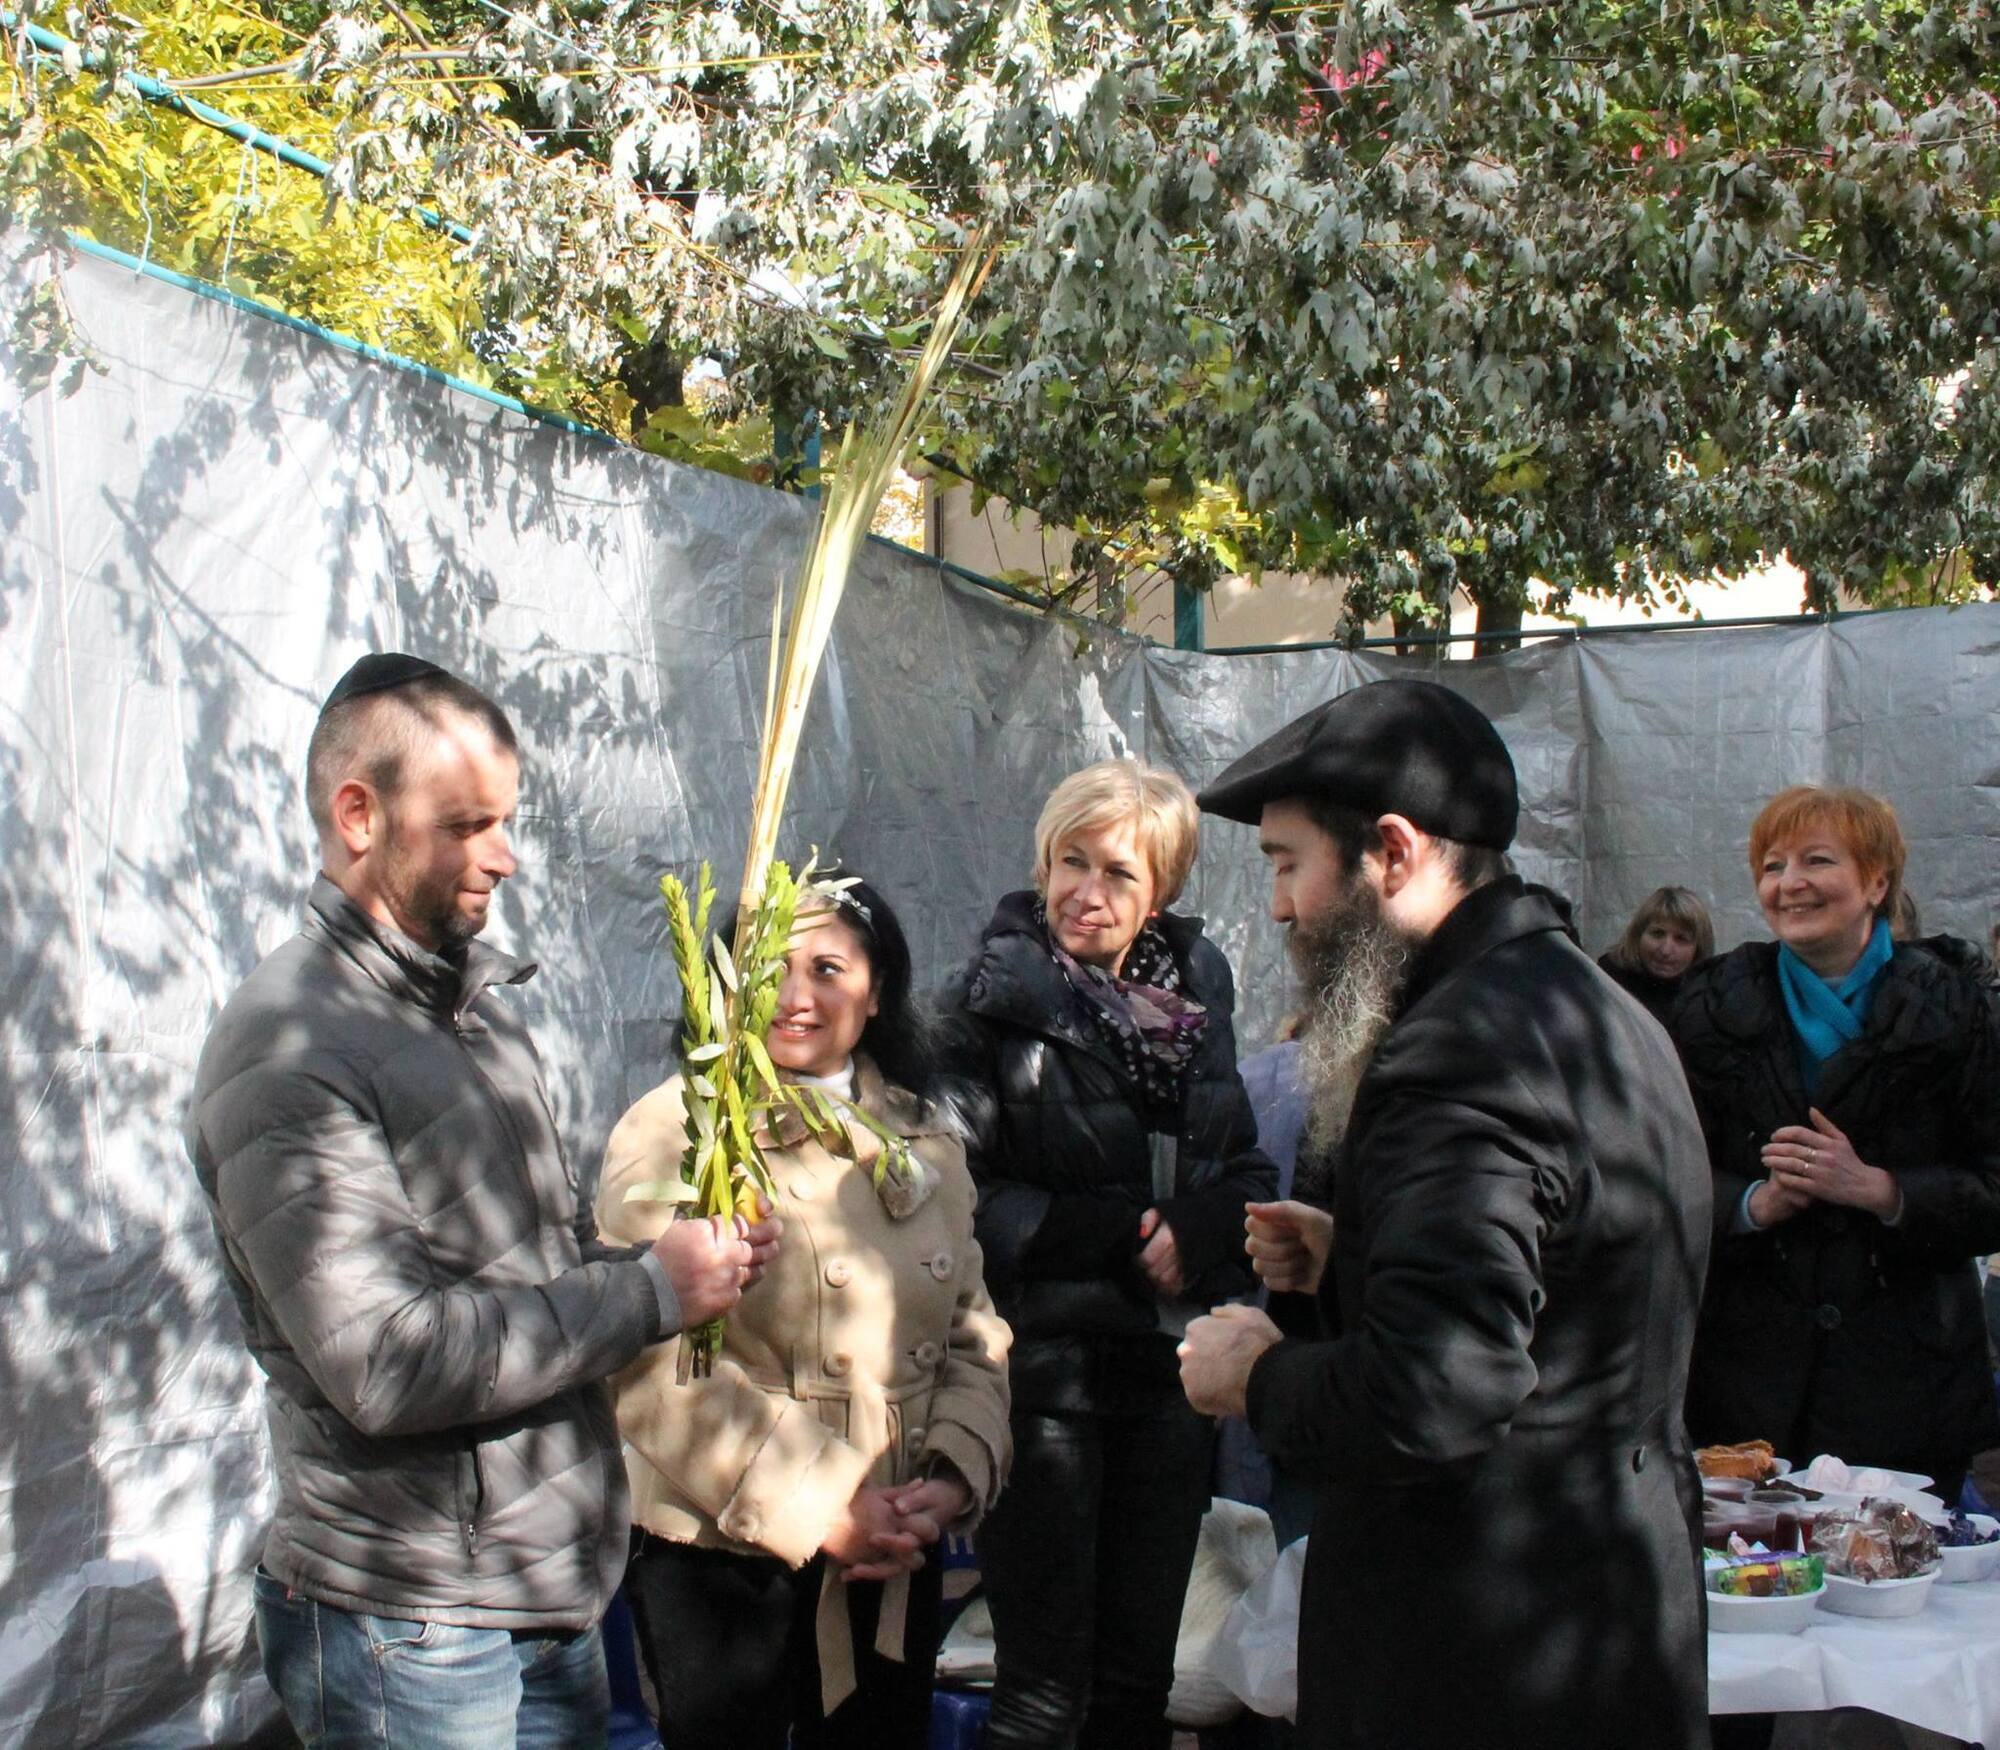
point(1667, 936)
point(1849, 1089)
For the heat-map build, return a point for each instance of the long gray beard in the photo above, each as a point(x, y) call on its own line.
point(1354, 965)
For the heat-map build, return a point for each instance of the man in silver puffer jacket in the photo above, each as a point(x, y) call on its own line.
point(417, 1275)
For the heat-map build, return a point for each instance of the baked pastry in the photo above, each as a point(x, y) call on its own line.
point(1752, 1459)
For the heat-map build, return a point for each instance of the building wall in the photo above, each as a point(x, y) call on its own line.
point(1286, 608)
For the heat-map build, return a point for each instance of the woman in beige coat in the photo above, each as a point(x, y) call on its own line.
point(858, 1407)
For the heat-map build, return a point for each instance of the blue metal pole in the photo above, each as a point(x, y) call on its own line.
point(158, 91)
point(1187, 617)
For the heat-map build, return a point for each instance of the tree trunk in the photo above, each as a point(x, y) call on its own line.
point(1499, 617)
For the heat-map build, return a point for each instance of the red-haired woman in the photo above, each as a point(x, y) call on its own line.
point(1849, 1087)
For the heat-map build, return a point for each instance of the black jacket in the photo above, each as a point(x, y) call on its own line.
point(1506, 1551)
point(1063, 1154)
point(1832, 1332)
point(1657, 993)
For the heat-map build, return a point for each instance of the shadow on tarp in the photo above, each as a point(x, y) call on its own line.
point(193, 548)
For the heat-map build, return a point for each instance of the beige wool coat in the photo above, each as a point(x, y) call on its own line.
point(868, 1352)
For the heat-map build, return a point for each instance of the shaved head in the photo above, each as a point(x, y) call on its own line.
point(380, 737)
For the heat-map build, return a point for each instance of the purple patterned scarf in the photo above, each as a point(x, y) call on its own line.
point(1151, 1027)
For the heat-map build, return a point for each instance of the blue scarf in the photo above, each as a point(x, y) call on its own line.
point(1826, 1016)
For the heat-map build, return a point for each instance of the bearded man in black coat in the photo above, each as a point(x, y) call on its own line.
point(1507, 1549)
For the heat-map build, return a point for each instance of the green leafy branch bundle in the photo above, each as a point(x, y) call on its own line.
point(730, 1089)
point(729, 995)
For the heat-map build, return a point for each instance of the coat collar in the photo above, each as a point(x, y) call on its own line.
point(1016, 980)
point(443, 984)
point(1488, 917)
point(897, 1110)
point(1914, 1010)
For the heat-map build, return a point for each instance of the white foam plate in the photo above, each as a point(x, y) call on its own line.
point(1763, 1616)
point(1877, 1597)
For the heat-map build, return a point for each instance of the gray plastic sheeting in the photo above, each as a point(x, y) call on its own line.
point(198, 542)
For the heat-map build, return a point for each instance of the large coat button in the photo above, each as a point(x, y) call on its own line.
point(941, 1266)
point(838, 1363)
point(1827, 1317)
point(838, 1272)
point(926, 1354)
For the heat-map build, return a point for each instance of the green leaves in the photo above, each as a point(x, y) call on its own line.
point(728, 1082)
point(47, 346)
point(1324, 266)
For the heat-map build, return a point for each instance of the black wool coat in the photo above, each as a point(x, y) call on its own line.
point(1507, 1546)
point(1832, 1332)
point(1064, 1156)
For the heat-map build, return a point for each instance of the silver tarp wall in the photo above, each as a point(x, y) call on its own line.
point(199, 541)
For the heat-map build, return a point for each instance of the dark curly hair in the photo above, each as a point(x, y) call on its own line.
point(897, 1037)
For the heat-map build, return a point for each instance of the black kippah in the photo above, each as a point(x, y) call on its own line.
point(377, 672)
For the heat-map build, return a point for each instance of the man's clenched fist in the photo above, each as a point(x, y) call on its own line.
point(711, 1262)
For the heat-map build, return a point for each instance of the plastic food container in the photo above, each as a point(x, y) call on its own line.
point(1762, 1616)
point(1877, 1597)
point(1976, 1561)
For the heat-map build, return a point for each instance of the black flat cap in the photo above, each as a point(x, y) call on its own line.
point(1392, 747)
point(377, 672)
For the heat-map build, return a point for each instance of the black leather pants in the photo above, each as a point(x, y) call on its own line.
point(1086, 1559)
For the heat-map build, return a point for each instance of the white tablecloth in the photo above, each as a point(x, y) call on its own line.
point(1939, 1669)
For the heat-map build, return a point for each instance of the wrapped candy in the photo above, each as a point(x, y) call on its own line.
point(1960, 1533)
point(1766, 1576)
point(1880, 1540)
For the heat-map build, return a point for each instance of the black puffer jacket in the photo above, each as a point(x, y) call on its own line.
point(1832, 1332)
point(1063, 1154)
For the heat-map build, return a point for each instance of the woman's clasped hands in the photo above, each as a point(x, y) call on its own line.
point(1819, 1165)
point(884, 1531)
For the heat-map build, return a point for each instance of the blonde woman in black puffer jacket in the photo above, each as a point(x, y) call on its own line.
point(1090, 1051)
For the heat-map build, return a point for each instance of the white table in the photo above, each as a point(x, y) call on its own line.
point(1939, 1669)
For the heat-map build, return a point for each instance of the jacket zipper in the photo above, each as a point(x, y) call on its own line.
point(469, 1515)
point(469, 1525)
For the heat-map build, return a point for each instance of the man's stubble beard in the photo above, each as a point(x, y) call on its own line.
point(1353, 963)
point(424, 900)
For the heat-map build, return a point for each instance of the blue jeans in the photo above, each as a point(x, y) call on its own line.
point(354, 1682)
